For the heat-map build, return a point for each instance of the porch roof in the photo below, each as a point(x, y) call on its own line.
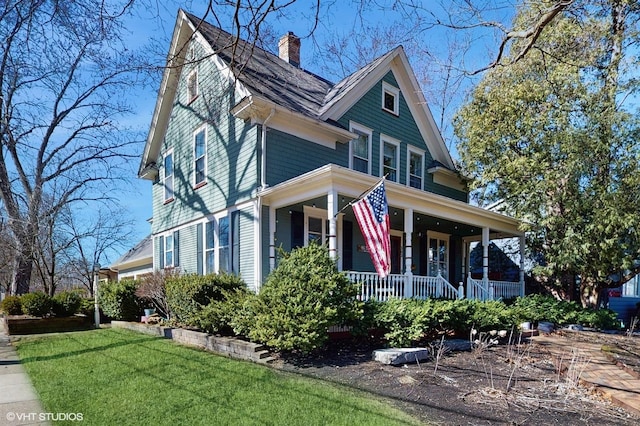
point(350, 183)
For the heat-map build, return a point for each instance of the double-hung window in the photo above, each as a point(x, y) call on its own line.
point(210, 248)
point(167, 180)
point(200, 157)
point(390, 157)
point(390, 98)
point(360, 149)
point(223, 244)
point(416, 169)
point(169, 250)
point(192, 86)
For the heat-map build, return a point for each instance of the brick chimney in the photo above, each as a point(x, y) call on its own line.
point(289, 48)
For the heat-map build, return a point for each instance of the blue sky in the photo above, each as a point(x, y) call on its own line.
point(425, 48)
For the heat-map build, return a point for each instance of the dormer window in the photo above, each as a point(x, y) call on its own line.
point(390, 98)
point(192, 86)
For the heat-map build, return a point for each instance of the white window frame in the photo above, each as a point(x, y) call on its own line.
point(393, 91)
point(384, 139)
point(205, 251)
point(363, 130)
point(165, 177)
point(439, 236)
point(192, 91)
point(202, 129)
point(167, 237)
point(315, 213)
point(413, 150)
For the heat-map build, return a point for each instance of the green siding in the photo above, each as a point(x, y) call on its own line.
point(232, 161)
point(247, 252)
point(368, 112)
point(289, 156)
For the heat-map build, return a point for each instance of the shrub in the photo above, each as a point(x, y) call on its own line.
point(118, 300)
point(405, 321)
point(218, 316)
point(11, 305)
point(153, 291)
point(66, 303)
point(188, 294)
point(492, 315)
point(303, 296)
point(37, 304)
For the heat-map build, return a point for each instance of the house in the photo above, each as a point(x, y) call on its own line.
point(135, 263)
point(248, 152)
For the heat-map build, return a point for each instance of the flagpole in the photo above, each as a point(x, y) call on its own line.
point(361, 196)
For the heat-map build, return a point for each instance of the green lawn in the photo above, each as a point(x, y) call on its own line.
point(119, 377)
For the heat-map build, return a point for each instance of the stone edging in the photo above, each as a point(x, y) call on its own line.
point(228, 346)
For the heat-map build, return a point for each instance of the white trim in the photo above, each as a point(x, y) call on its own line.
point(315, 213)
point(192, 96)
point(196, 132)
point(414, 150)
point(359, 129)
point(439, 236)
point(167, 153)
point(395, 92)
point(391, 141)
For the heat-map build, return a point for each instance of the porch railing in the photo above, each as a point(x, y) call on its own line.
point(424, 287)
point(397, 286)
point(491, 289)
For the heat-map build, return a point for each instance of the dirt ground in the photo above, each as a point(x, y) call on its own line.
point(515, 384)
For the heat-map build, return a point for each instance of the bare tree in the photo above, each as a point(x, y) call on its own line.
point(63, 70)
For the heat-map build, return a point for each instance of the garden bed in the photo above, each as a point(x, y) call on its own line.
point(23, 324)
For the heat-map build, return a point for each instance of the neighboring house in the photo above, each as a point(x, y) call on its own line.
point(625, 300)
point(248, 152)
point(135, 263)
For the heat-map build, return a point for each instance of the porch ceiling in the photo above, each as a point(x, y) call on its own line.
point(425, 205)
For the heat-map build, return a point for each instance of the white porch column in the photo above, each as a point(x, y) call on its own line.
point(465, 262)
point(408, 253)
point(521, 241)
point(485, 261)
point(272, 238)
point(332, 211)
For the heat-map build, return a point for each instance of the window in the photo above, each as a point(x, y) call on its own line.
point(316, 225)
point(223, 244)
point(438, 253)
point(360, 149)
point(199, 155)
point(390, 149)
point(192, 86)
point(209, 248)
point(415, 169)
point(169, 253)
point(390, 98)
point(168, 176)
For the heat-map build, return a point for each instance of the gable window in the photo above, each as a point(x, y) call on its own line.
point(390, 149)
point(416, 169)
point(192, 86)
point(199, 155)
point(360, 149)
point(167, 180)
point(390, 98)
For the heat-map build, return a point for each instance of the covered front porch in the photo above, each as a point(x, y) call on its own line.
point(432, 237)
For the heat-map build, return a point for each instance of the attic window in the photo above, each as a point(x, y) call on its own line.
point(390, 98)
point(192, 86)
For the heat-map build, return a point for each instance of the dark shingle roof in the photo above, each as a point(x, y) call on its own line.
point(142, 250)
point(265, 74)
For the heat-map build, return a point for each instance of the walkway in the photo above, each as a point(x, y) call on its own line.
point(612, 381)
point(19, 402)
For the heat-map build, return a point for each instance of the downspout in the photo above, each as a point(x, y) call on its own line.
point(263, 185)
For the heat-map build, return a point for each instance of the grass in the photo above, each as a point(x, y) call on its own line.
point(119, 377)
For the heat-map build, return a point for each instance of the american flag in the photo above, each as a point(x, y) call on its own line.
point(373, 217)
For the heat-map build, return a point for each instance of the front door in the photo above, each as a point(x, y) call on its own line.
point(396, 254)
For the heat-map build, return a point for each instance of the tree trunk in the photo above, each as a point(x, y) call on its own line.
point(589, 293)
point(21, 274)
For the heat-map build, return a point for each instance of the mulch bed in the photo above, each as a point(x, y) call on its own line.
point(502, 384)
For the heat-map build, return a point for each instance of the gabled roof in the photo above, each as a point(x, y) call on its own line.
point(141, 252)
point(269, 83)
